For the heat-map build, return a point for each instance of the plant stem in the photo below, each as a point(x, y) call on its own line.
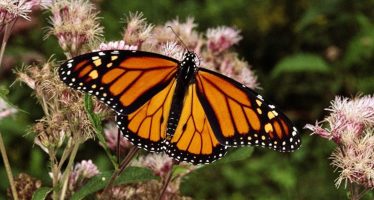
point(168, 179)
point(55, 172)
point(65, 154)
point(122, 167)
point(65, 178)
point(7, 31)
point(118, 146)
point(7, 168)
point(166, 182)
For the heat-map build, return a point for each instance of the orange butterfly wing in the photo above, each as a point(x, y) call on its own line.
point(193, 140)
point(146, 127)
point(124, 80)
point(240, 117)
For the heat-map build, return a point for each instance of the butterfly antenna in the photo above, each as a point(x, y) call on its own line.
point(176, 35)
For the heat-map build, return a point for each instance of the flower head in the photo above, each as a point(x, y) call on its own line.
point(137, 30)
point(185, 30)
point(222, 38)
point(351, 125)
point(347, 118)
point(172, 49)
point(74, 23)
point(356, 162)
point(81, 173)
point(111, 136)
point(160, 163)
point(25, 186)
point(11, 9)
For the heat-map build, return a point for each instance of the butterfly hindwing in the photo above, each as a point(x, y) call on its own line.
point(146, 127)
point(240, 117)
point(193, 140)
point(124, 80)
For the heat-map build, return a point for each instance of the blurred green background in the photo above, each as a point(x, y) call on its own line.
point(304, 53)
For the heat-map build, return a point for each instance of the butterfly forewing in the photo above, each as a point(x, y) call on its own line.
point(124, 80)
point(241, 117)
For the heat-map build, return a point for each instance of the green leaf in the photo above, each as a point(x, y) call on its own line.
point(360, 48)
point(95, 119)
point(41, 193)
point(99, 130)
point(236, 155)
point(99, 182)
point(3, 91)
point(301, 63)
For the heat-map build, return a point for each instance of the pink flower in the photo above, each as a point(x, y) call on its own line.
point(74, 23)
point(185, 30)
point(222, 38)
point(11, 9)
point(351, 126)
point(349, 117)
point(111, 136)
point(159, 163)
point(137, 30)
point(116, 45)
point(172, 49)
point(82, 172)
point(356, 161)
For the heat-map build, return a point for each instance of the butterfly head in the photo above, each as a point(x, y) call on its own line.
point(191, 58)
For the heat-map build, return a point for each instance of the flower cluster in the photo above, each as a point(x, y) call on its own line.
point(12, 9)
point(111, 136)
point(172, 39)
point(351, 126)
point(81, 173)
point(61, 106)
point(65, 124)
point(25, 185)
point(74, 23)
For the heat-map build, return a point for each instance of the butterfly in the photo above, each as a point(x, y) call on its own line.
point(165, 105)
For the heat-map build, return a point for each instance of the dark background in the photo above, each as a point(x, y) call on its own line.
point(303, 52)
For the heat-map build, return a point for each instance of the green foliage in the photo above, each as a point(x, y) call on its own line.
point(307, 63)
point(99, 130)
point(99, 182)
point(41, 193)
point(361, 47)
point(236, 154)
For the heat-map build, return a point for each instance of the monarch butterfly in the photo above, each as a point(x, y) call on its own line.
point(164, 105)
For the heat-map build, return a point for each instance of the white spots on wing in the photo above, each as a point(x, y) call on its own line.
point(294, 133)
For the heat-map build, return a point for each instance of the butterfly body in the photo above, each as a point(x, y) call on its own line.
point(191, 113)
